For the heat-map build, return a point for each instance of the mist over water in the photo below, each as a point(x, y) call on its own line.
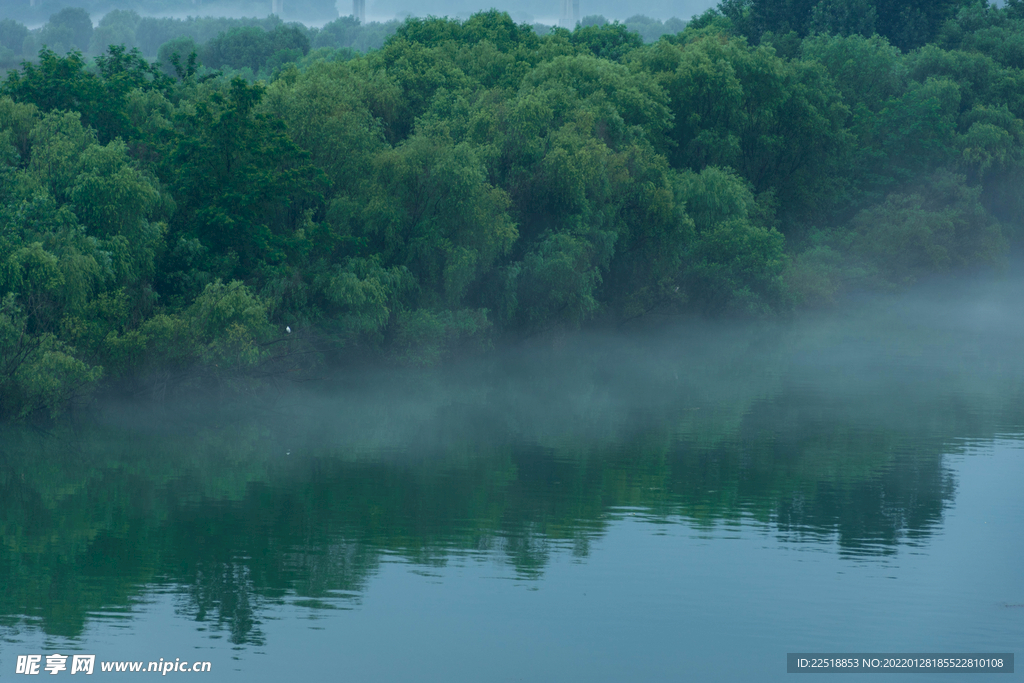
point(894, 361)
point(844, 480)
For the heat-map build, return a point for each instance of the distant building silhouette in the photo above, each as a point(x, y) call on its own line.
point(359, 10)
point(570, 14)
point(277, 7)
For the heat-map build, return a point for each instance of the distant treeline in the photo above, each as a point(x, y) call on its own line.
point(473, 181)
point(219, 41)
point(35, 12)
point(257, 44)
point(649, 29)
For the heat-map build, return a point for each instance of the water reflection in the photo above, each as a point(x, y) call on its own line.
point(827, 439)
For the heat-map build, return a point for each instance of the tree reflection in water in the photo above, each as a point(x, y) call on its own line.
point(505, 461)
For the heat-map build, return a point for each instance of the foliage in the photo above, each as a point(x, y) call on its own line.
point(223, 331)
point(117, 27)
point(152, 32)
point(931, 226)
point(12, 36)
point(907, 24)
point(651, 30)
point(609, 41)
point(474, 180)
point(733, 263)
point(68, 29)
point(39, 372)
point(176, 50)
point(64, 83)
point(347, 32)
point(253, 47)
point(779, 123)
point(241, 185)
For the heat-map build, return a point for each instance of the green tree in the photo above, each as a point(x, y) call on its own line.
point(907, 24)
point(932, 226)
point(844, 18)
point(557, 281)
point(223, 330)
point(608, 41)
point(653, 29)
point(179, 50)
point(780, 124)
point(64, 83)
point(732, 264)
point(867, 71)
point(433, 211)
point(342, 32)
point(68, 29)
point(252, 47)
point(917, 131)
point(12, 35)
point(38, 373)
point(117, 27)
point(241, 185)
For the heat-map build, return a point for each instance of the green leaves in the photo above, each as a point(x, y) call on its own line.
point(433, 211)
point(223, 329)
point(328, 112)
point(867, 71)
point(917, 130)
point(57, 83)
point(242, 184)
point(38, 372)
point(68, 29)
point(905, 23)
point(733, 264)
point(252, 47)
point(65, 84)
point(932, 226)
point(472, 178)
point(16, 123)
point(557, 282)
point(610, 41)
point(780, 124)
point(76, 251)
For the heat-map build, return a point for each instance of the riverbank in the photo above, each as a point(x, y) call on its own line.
point(473, 182)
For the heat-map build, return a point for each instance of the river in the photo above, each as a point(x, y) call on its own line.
point(686, 501)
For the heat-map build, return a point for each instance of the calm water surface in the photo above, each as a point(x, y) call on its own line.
point(690, 503)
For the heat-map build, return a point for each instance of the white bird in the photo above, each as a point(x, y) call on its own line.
point(288, 329)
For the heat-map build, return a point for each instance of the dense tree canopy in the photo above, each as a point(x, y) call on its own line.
point(905, 23)
point(470, 181)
